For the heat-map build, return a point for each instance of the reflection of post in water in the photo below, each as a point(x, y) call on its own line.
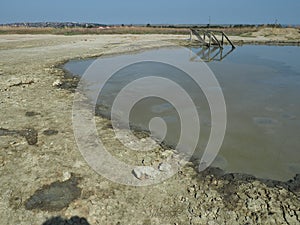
point(209, 54)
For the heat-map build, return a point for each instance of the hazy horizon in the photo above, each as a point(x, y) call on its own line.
point(154, 12)
point(144, 24)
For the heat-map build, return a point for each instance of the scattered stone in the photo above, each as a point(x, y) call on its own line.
point(66, 176)
point(165, 167)
point(56, 196)
point(57, 83)
point(31, 136)
point(69, 83)
point(167, 153)
point(144, 172)
point(50, 132)
point(294, 184)
point(125, 205)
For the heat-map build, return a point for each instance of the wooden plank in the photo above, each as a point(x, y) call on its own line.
point(212, 39)
point(198, 36)
point(228, 40)
point(216, 40)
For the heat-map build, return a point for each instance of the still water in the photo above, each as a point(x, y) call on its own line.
point(261, 86)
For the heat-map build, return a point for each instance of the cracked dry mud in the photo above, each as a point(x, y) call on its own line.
point(32, 173)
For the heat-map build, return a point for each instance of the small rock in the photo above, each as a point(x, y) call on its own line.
point(31, 136)
point(66, 176)
point(167, 153)
point(144, 172)
point(57, 83)
point(164, 167)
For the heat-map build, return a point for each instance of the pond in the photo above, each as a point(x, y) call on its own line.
point(261, 87)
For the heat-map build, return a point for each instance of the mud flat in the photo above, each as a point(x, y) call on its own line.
point(38, 177)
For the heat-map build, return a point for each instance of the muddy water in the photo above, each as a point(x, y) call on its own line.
point(261, 89)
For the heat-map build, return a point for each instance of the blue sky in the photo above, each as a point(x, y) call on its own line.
point(152, 11)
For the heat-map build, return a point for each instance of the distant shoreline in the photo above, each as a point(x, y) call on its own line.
point(266, 35)
point(56, 24)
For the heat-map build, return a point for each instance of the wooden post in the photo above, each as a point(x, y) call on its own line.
point(215, 40)
point(221, 54)
point(222, 42)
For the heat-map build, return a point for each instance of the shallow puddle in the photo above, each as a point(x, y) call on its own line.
point(261, 89)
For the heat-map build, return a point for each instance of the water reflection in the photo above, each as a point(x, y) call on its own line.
point(208, 54)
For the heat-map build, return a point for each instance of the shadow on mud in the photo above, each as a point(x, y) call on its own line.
point(30, 134)
point(75, 220)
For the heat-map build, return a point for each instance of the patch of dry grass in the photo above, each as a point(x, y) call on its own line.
point(289, 33)
point(116, 30)
point(75, 31)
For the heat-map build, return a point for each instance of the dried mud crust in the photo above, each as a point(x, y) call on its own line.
point(36, 96)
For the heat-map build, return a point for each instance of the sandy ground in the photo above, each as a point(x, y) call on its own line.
point(37, 148)
point(270, 36)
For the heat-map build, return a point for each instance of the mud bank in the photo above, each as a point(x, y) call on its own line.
point(35, 94)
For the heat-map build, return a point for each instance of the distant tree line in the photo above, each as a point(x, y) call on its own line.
point(56, 25)
point(218, 26)
point(95, 25)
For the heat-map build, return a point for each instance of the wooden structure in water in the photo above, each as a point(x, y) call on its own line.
point(210, 38)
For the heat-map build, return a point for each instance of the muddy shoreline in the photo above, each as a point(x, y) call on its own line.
point(30, 85)
point(70, 82)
